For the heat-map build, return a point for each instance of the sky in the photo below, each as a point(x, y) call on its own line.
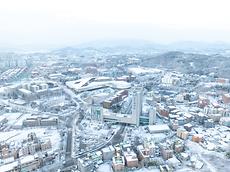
point(44, 24)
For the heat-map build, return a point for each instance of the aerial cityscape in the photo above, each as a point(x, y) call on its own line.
point(114, 111)
point(122, 103)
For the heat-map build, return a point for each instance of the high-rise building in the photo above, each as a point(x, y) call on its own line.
point(97, 113)
point(152, 116)
point(137, 101)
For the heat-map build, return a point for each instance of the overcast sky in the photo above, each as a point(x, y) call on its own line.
point(55, 23)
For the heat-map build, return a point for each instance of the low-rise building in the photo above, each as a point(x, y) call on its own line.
point(158, 128)
point(225, 121)
point(118, 163)
point(130, 158)
point(209, 123)
point(30, 163)
point(45, 145)
point(166, 150)
point(40, 121)
point(188, 127)
point(108, 153)
point(178, 146)
point(226, 98)
point(10, 167)
point(85, 164)
point(182, 133)
point(197, 138)
point(143, 154)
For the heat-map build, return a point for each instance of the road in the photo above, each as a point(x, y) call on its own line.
point(71, 124)
point(114, 139)
point(71, 94)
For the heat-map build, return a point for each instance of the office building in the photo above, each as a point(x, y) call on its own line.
point(152, 116)
point(137, 101)
point(97, 113)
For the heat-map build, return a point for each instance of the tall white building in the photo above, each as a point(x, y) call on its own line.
point(137, 102)
point(152, 116)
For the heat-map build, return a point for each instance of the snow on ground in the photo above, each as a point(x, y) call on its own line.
point(43, 133)
point(19, 122)
point(215, 162)
point(146, 135)
point(142, 70)
point(185, 170)
point(104, 168)
point(147, 170)
point(11, 117)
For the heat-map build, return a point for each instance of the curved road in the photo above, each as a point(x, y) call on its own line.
point(71, 124)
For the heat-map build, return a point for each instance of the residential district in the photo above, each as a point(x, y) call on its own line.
point(102, 111)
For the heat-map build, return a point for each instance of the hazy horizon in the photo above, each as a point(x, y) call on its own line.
point(49, 24)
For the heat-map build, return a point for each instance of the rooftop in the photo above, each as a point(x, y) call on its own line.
point(158, 128)
point(8, 167)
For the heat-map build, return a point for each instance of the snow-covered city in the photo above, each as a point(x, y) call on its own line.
point(114, 86)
